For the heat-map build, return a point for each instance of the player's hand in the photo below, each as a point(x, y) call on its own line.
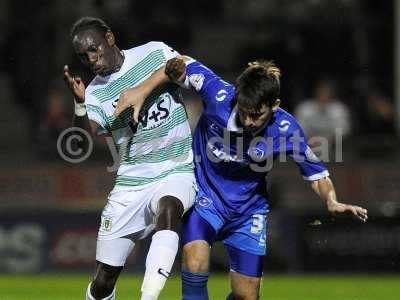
point(175, 69)
point(133, 97)
point(337, 208)
point(75, 84)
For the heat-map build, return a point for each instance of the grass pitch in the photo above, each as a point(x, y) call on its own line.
point(275, 287)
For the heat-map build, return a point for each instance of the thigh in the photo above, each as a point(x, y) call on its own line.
point(124, 214)
point(197, 228)
point(248, 233)
point(178, 186)
point(114, 252)
point(245, 263)
point(197, 237)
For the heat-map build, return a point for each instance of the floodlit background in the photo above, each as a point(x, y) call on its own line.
point(341, 78)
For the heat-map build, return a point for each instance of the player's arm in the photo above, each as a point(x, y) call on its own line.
point(136, 96)
point(80, 118)
point(173, 71)
point(183, 71)
point(314, 171)
point(325, 189)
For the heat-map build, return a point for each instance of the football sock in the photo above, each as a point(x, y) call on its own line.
point(159, 261)
point(90, 297)
point(194, 286)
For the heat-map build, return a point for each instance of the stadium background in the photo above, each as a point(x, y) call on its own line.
point(49, 208)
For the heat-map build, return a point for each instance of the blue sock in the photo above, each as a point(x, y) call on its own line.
point(194, 286)
point(230, 297)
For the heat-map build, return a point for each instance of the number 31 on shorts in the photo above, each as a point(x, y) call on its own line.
point(258, 227)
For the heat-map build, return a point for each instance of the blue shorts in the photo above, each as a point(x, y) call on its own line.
point(245, 236)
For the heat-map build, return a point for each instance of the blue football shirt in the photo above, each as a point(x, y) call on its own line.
point(231, 164)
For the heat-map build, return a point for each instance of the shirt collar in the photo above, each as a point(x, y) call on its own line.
point(232, 125)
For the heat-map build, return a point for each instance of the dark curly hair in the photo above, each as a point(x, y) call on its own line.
point(258, 85)
point(86, 23)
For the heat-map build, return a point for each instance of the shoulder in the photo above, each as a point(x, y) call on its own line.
point(201, 76)
point(147, 47)
point(95, 84)
point(156, 44)
point(285, 122)
point(150, 47)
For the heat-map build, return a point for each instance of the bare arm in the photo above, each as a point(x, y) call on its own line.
point(80, 118)
point(88, 125)
point(173, 71)
point(77, 88)
point(326, 191)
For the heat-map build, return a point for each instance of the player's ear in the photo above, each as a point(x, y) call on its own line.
point(110, 38)
point(275, 106)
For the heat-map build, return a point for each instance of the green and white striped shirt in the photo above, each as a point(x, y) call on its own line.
point(162, 144)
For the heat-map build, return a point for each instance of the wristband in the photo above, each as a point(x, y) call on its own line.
point(80, 109)
point(185, 84)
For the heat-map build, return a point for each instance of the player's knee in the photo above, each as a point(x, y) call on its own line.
point(253, 284)
point(193, 261)
point(105, 279)
point(195, 265)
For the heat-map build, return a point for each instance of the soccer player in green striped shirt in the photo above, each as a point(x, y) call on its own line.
point(155, 182)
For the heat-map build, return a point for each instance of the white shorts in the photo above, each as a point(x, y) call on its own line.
point(131, 215)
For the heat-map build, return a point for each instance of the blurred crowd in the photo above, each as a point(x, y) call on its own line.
point(335, 75)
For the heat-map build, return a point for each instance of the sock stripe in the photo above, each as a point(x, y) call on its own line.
point(199, 278)
point(194, 286)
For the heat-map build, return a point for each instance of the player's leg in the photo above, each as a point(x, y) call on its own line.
point(246, 245)
point(174, 196)
point(170, 211)
point(198, 236)
point(163, 248)
point(102, 286)
point(110, 257)
point(121, 224)
point(245, 274)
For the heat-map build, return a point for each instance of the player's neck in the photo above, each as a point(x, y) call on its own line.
point(120, 58)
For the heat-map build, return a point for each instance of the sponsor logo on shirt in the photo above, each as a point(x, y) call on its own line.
point(221, 95)
point(222, 155)
point(284, 126)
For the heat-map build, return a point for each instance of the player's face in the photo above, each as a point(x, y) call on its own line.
point(95, 50)
point(254, 120)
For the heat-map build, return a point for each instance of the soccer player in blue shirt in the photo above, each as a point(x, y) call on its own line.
point(240, 132)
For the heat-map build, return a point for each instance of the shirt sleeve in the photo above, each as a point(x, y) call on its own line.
point(95, 112)
point(311, 168)
point(214, 91)
point(168, 51)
